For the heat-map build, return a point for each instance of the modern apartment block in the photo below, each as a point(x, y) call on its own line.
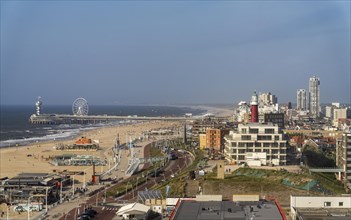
point(200, 126)
point(275, 118)
point(301, 99)
point(343, 155)
point(215, 138)
point(314, 96)
point(254, 137)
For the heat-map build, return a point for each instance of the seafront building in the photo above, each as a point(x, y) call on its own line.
point(242, 112)
point(215, 138)
point(256, 138)
point(301, 99)
point(314, 96)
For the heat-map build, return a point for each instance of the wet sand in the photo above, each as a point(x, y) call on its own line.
point(34, 158)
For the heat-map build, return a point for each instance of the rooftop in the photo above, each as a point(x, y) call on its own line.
point(324, 214)
point(218, 210)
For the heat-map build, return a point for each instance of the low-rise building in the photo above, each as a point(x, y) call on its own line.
point(221, 210)
point(320, 207)
point(254, 137)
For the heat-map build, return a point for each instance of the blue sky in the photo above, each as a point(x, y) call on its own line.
point(176, 52)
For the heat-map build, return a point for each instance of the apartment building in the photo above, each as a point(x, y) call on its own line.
point(215, 138)
point(343, 155)
point(266, 138)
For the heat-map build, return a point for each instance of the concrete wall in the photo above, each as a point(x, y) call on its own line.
point(246, 198)
point(204, 198)
point(320, 201)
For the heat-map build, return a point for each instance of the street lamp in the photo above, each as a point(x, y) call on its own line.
point(46, 200)
point(73, 185)
point(61, 191)
point(84, 185)
point(28, 207)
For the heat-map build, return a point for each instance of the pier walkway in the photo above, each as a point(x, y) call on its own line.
point(93, 119)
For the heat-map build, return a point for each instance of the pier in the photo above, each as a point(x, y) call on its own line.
point(93, 119)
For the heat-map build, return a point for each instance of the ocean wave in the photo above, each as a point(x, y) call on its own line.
point(50, 136)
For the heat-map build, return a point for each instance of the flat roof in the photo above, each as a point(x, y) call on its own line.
point(324, 213)
point(225, 210)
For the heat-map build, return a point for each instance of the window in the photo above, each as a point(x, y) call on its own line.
point(327, 204)
point(264, 137)
point(245, 137)
point(243, 130)
point(253, 130)
point(341, 204)
point(233, 144)
point(269, 131)
point(266, 144)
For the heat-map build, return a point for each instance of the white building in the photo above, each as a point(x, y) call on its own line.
point(258, 138)
point(329, 112)
point(301, 99)
point(314, 96)
point(241, 112)
point(266, 98)
point(133, 211)
point(320, 207)
point(339, 113)
point(343, 155)
point(256, 159)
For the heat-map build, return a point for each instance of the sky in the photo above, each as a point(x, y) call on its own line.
point(172, 52)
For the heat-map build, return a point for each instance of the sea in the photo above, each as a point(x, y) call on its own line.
point(15, 129)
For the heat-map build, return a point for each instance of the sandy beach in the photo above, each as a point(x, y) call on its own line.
point(34, 158)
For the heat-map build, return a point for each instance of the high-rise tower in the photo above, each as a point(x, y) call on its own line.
point(254, 107)
point(314, 96)
point(301, 99)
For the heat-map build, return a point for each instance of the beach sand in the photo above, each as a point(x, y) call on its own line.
point(34, 158)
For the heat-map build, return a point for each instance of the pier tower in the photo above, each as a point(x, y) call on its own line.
point(38, 106)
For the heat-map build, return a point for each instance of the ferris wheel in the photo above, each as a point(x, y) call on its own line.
point(80, 107)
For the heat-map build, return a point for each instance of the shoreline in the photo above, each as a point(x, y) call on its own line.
point(14, 160)
point(218, 111)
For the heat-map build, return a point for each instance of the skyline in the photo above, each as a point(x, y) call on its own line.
point(172, 52)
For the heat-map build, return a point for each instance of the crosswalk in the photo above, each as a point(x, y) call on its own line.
point(109, 209)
